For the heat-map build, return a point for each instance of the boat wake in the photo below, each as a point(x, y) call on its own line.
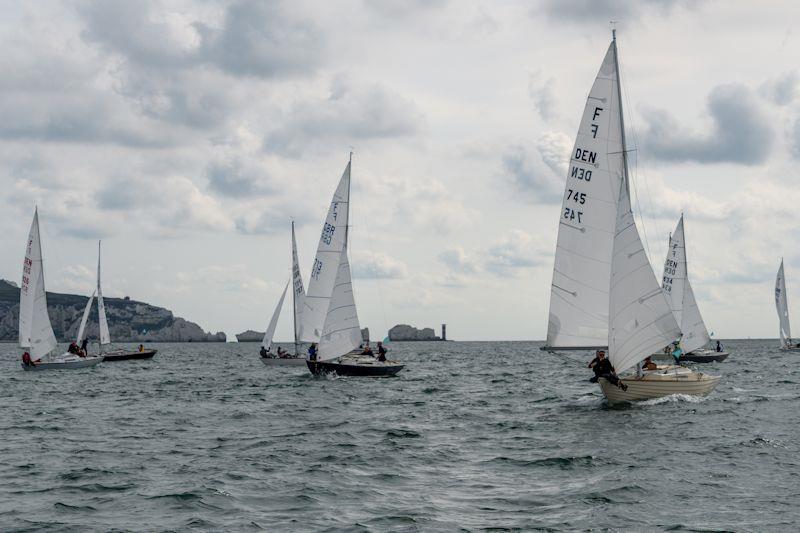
point(674, 398)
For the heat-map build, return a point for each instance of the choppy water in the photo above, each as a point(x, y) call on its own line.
point(471, 435)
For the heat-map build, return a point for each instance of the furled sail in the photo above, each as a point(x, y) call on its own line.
point(299, 291)
point(579, 293)
point(680, 295)
point(782, 305)
point(82, 328)
point(327, 262)
point(641, 320)
point(35, 331)
point(105, 337)
point(267, 342)
point(342, 332)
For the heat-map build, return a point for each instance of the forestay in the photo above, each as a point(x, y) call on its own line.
point(579, 293)
point(82, 328)
point(299, 290)
point(641, 319)
point(782, 305)
point(680, 296)
point(342, 331)
point(326, 262)
point(105, 337)
point(267, 341)
point(35, 331)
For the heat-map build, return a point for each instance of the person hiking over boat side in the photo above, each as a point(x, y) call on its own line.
point(719, 346)
point(263, 352)
point(381, 352)
point(603, 369)
point(26, 359)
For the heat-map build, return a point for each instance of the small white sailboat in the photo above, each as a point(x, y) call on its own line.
point(330, 316)
point(782, 305)
point(105, 336)
point(36, 335)
point(298, 302)
point(604, 291)
point(680, 296)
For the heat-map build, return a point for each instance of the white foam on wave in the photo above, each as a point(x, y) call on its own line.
point(672, 398)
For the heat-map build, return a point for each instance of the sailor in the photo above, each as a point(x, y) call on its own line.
point(381, 352)
point(26, 359)
point(141, 347)
point(603, 369)
point(281, 352)
point(648, 364)
point(263, 352)
point(312, 352)
point(85, 346)
point(367, 350)
point(73, 348)
point(719, 346)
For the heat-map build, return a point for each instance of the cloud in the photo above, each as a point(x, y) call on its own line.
point(542, 94)
point(539, 173)
point(740, 131)
point(377, 265)
point(514, 251)
point(350, 112)
point(238, 179)
point(457, 261)
point(592, 11)
point(794, 139)
point(781, 90)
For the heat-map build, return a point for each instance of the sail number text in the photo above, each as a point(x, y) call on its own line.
point(316, 269)
point(571, 214)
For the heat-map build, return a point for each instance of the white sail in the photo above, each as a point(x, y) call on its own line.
point(82, 328)
point(680, 295)
point(299, 292)
point(267, 342)
point(782, 305)
point(105, 338)
point(579, 293)
point(326, 262)
point(35, 331)
point(342, 331)
point(641, 320)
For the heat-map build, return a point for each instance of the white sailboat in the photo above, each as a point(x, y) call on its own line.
point(680, 296)
point(36, 335)
point(330, 298)
point(298, 302)
point(604, 291)
point(782, 305)
point(105, 336)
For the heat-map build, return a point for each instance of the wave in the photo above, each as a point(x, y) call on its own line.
point(674, 398)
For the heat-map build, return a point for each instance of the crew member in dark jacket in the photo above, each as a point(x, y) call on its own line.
point(603, 369)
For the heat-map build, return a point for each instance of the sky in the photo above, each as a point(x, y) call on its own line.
point(188, 134)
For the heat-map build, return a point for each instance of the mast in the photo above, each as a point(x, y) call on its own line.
point(294, 297)
point(621, 117)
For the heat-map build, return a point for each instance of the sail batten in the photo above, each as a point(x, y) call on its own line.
point(579, 293)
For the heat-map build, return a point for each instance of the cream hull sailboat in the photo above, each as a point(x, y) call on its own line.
point(604, 289)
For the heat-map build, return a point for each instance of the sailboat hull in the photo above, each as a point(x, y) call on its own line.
point(69, 364)
point(125, 356)
point(356, 368)
point(283, 361)
point(660, 384)
point(704, 356)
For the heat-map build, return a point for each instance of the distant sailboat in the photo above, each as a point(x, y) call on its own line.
point(330, 316)
point(680, 297)
point(105, 336)
point(36, 335)
point(298, 301)
point(604, 291)
point(782, 305)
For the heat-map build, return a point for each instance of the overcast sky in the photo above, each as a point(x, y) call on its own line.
point(187, 135)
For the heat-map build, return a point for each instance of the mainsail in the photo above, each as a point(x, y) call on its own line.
point(342, 332)
point(579, 294)
point(641, 320)
point(105, 338)
point(35, 332)
point(782, 305)
point(82, 328)
point(680, 295)
point(267, 342)
point(299, 292)
point(327, 262)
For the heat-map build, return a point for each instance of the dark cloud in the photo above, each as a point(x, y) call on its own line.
point(538, 172)
point(794, 139)
point(402, 8)
point(237, 179)
point(602, 11)
point(542, 94)
point(740, 131)
point(377, 266)
point(351, 112)
point(781, 90)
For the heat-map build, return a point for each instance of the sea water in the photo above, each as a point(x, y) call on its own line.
point(472, 435)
